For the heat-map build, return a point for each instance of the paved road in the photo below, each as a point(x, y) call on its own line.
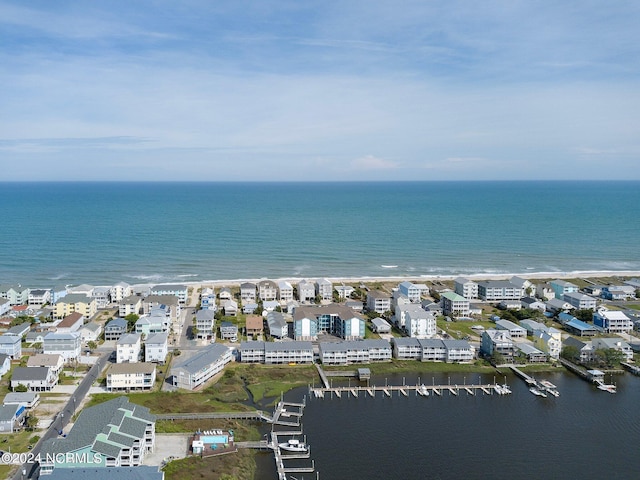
point(65, 415)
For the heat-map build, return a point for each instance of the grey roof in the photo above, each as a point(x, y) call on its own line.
point(95, 420)
point(276, 320)
point(208, 355)
point(170, 287)
point(19, 397)
point(19, 329)
point(380, 323)
point(157, 338)
point(431, 343)
point(286, 346)
point(253, 345)
point(228, 325)
point(122, 439)
point(133, 426)
point(128, 339)
point(528, 349)
point(29, 374)
point(205, 315)
point(93, 326)
point(572, 341)
point(314, 311)
point(107, 449)
point(406, 342)
point(116, 323)
point(9, 339)
point(508, 325)
point(378, 294)
point(128, 473)
point(452, 343)
point(131, 367)
point(61, 336)
point(353, 345)
point(75, 298)
point(3, 358)
point(8, 412)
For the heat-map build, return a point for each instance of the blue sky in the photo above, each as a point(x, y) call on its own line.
point(331, 90)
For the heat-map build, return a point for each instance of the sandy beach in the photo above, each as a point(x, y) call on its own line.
point(587, 274)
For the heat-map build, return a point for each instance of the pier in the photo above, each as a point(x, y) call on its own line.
point(539, 388)
point(404, 390)
point(593, 376)
point(632, 368)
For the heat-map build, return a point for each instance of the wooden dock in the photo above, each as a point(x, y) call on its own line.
point(404, 390)
point(632, 368)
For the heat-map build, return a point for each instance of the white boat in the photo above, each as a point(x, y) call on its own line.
point(293, 445)
point(537, 392)
point(607, 388)
point(422, 390)
point(505, 389)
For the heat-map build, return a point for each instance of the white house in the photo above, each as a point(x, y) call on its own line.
point(612, 321)
point(70, 323)
point(285, 291)
point(196, 370)
point(36, 379)
point(419, 323)
point(127, 377)
point(129, 305)
point(324, 289)
point(11, 345)
point(90, 332)
point(156, 348)
point(580, 301)
point(278, 326)
point(120, 291)
point(466, 288)
point(378, 301)
point(411, 291)
point(613, 344)
point(54, 362)
point(128, 348)
point(206, 325)
point(306, 291)
point(66, 344)
point(454, 304)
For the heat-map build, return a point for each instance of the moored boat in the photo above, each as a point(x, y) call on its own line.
point(537, 392)
point(293, 445)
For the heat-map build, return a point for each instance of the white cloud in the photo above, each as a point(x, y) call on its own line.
point(369, 162)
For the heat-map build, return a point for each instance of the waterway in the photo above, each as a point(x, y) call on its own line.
point(585, 433)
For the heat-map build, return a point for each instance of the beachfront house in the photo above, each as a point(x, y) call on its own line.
point(454, 304)
point(128, 348)
point(225, 294)
point(562, 287)
point(120, 291)
point(324, 289)
point(411, 291)
point(11, 345)
point(208, 299)
point(466, 288)
point(129, 377)
point(248, 292)
point(498, 290)
point(102, 296)
point(306, 291)
point(580, 301)
point(156, 348)
point(155, 322)
point(194, 371)
point(178, 290)
point(129, 305)
point(115, 433)
point(169, 305)
point(285, 292)
point(545, 292)
point(344, 291)
point(38, 297)
point(267, 290)
point(612, 321)
point(16, 294)
point(206, 325)
point(254, 325)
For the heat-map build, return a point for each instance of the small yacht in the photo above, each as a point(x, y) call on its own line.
point(537, 392)
point(293, 445)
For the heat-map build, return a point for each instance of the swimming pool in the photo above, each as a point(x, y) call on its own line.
point(211, 439)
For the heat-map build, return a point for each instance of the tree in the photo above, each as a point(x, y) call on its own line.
point(21, 388)
point(586, 314)
point(131, 319)
point(92, 345)
point(571, 353)
point(435, 295)
point(32, 422)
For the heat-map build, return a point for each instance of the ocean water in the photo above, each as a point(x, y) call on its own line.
point(584, 433)
point(101, 233)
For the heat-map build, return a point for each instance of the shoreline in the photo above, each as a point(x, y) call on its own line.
point(587, 274)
